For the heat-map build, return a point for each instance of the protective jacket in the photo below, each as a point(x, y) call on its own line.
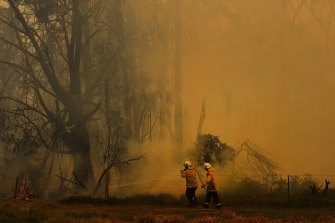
point(191, 177)
point(211, 181)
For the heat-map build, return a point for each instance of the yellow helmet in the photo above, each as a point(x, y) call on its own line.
point(207, 165)
point(187, 163)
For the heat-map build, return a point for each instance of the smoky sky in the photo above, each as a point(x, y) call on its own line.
point(266, 70)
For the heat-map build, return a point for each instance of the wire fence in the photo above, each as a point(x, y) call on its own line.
point(288, 190)
point(168, 180)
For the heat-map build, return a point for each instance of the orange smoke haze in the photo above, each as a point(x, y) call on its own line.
point(266, 76)
point(265, 69)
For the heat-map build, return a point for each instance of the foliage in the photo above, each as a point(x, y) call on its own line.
point(209, 148)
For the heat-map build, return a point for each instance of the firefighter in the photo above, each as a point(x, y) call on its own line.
point(212, 187)
point(190, 174)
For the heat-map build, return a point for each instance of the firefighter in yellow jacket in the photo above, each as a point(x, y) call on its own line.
point(212, 187)
point(190, 174)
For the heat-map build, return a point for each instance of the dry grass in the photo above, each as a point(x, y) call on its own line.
point(49, 212)
point(225, 218)
point(228, 217)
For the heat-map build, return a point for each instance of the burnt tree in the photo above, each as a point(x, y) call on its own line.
point(54, 73)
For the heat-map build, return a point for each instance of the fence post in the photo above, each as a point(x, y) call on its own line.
point(288, 190)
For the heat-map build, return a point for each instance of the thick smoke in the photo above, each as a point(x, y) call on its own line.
point(266, 76)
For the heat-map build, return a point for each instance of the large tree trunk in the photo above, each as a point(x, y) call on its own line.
point(79, 144)
point(79, 138)
point(82, 164)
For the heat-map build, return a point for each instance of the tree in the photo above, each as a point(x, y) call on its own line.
point(54, 76)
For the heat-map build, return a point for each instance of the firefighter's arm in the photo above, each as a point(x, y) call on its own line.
point(208, 179)
point(182, 173)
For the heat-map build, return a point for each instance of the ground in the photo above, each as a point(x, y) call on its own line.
point(44, 211)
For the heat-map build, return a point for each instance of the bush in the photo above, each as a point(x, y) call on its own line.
point(140, 199)
point(252, 192)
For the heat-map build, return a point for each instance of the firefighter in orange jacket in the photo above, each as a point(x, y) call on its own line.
point(190, 174)
point(212, 187)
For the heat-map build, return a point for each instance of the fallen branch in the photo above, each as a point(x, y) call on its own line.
point(71, 181)
point(110, 167)
point(77, 179)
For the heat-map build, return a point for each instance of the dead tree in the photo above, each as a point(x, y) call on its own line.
point(138, 106)
point(202, 118)
point(110, 166)
point(325, 190)
point(41, 67)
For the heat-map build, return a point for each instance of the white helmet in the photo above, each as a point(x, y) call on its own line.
point(207, 165)
point(187, 163)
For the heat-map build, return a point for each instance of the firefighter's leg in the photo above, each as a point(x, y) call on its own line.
point(188, 194)
point(193, 195)
point(207, 199)
point(217, 200)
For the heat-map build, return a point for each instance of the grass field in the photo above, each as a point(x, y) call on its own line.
point(44, 211)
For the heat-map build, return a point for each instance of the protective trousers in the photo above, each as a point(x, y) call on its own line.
point(190, 194)
point(209, 196)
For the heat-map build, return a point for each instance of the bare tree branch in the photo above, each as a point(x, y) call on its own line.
point(29, 107)
point(110, 166)
point(41, 56)
point(71, 181)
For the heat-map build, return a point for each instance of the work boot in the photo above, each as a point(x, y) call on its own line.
point(206, 205)
point(218, 205)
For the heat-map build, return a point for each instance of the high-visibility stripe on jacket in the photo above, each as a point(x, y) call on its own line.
point(211, 181)
point(190, 175)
